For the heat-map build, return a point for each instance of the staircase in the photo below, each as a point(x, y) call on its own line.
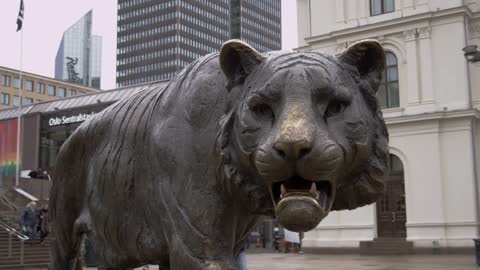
point(35, 255)
point(11, 218)
point(386, 246)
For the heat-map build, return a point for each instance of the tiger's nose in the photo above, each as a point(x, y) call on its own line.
point(293, 150)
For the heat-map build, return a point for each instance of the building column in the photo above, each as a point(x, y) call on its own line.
point(340, 8)
point(427, 94)
point(412, 67)
point(352, 11)
point(363, 12)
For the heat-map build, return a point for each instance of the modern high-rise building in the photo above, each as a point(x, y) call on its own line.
point(157, 38)
point(79, 55)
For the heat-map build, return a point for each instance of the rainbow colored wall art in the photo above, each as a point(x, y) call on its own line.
point(8, 147)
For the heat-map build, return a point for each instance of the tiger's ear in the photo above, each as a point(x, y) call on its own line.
point(237, 60)
point(368, 57)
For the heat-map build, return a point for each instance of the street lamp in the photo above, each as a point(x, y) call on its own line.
point(471, 53)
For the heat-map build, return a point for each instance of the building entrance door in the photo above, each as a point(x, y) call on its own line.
point(391, 210)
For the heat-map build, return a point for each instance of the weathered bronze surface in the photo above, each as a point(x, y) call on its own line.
point(180, 175)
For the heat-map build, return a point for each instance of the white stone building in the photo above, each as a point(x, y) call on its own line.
point(431, 97)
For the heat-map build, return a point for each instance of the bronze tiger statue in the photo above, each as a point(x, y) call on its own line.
point(178, 176)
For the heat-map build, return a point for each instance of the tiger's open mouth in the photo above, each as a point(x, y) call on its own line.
point(301, 204)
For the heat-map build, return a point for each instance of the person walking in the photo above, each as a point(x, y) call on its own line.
point(30, 220)
point(241, 260)
point(43, 224)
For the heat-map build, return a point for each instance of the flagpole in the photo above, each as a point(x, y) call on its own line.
point(19, 118)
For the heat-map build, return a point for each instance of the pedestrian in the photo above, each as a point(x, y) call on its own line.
point(241, 260)
point(30, 220)
point(43, 224)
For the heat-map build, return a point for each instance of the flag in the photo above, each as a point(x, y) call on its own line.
point(20, 17)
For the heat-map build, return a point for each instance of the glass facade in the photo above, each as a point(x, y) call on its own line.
point(156, 39)
point(53, 133)
point(261, 24)
point(79, 55)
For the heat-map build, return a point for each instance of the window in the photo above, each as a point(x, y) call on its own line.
point(41, 88)
point(51, 90)
point(378, 7)
point(388, 91)
point(27, 101)
point(4, 98)
point(29, 85)
point(396, 165)
point(16, 83)
point(72, 93)
point(15, 100)
point(6, 80)
point(61, 92)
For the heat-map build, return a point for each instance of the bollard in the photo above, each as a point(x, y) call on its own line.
point(436, 246)
point(477, 250)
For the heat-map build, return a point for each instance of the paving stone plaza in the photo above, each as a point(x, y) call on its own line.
point(356, 262)
point(279, 261)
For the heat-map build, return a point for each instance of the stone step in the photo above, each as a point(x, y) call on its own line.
point(26, 266)
point(13, 261)
point(27, 252)
point(389, 246)
point(26, 248)
point(16, 260)
point(35, 256)
point(390, 239)
point(373, 244)
point(26, 260)
point(26, 243)
point(26, 255)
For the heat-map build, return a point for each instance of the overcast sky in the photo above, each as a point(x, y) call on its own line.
point(46, 20)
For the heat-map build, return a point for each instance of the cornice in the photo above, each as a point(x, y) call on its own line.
point(410, 35)
point(424, 32)
point(472, 113)
point(393, 22)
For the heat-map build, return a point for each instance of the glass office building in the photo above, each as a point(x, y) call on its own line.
point(157, 38)
point(79, 55)
point(257, 22)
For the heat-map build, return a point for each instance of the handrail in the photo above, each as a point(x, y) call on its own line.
point(22, 237)
point(6, 202)
point(13, 231)
point(11, 219)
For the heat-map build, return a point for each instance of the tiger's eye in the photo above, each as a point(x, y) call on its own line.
point(262, 110)
point(335, 108)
